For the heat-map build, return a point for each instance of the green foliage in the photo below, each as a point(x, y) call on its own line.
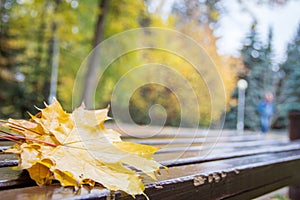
point(26, 38)
point(284, 83)
point(280, 197)
point(12, 48)
point(288, 90)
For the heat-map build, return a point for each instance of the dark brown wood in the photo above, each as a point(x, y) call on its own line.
point(294, 125)
point(205, 153)
point(234, 167)
point(234, 180)
point(294, 134)
point(205, 156)
point(294, 192)
point(237, 178)
point(14, 179)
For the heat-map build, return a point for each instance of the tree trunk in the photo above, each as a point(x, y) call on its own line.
point(91, 78)
point(41, 36)
point(53, 53)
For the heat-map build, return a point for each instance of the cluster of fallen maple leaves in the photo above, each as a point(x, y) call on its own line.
point(76, 149)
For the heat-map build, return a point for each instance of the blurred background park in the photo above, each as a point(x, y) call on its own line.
point(44, 42)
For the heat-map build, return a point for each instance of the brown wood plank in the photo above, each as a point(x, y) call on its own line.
point(209, 153)
point(205, 157)
point(14, 178)
point(162, 141)
point(5, 143)
point(230, 180)
point(210, 180)
point(231, 156)
point(21, 183)
point(161, 132)
point(3, 148)
point(198, 147)
point(264, 189)
point(8, 157)
point(215, 151)
point(52, 192)
point(223, 145)
point(171, 147)
point(206, 152)
point(8, 163)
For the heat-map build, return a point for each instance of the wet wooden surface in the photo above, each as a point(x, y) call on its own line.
point(201, 166)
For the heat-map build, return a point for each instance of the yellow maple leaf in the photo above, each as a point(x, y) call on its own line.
point(77, 149)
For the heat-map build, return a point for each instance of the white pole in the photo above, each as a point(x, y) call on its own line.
point(242, 85)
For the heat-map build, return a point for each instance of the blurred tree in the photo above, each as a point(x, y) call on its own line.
point(198, 19)
point(121, 17)
point(12, 48)
point(174, 96)
point(151, 94)
point(25, 45)
point(76, 31)
point(202, 12)
point(154, 94)
point(90, 78)
point(72, 23)
point(113, 17)
point(257, 59)
point(288, 88)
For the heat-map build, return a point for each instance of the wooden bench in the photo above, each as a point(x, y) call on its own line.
point(224, 165)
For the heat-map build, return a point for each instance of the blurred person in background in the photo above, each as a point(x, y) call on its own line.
point(266, 110)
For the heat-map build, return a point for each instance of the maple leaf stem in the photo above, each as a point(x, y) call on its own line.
point(9, 137)
point(42, 142)
point(38, 141)
point(18, 127)
point(15, 138)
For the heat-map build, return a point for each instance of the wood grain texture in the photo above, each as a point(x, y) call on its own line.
point(234, 167)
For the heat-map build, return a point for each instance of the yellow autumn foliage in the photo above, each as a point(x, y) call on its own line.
point(77, 149)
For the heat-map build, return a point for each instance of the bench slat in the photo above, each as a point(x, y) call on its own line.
point(209, 157)
point(14, 178)
point(174, 158)
point(210, 180)
point(160, 141)
point(162, 132)
point(222, 145)
point(237, 167)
